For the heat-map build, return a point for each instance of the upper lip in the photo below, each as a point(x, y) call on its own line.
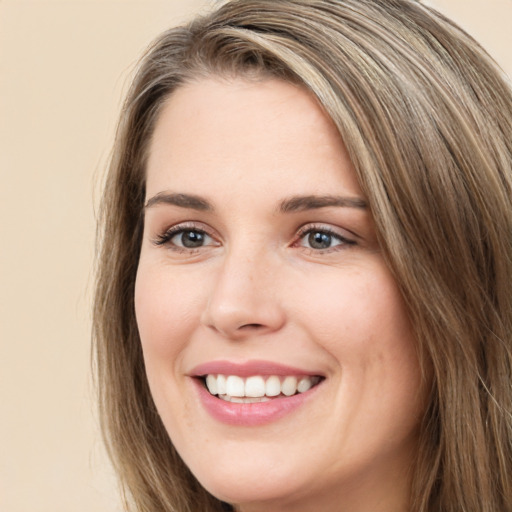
point(248, 368)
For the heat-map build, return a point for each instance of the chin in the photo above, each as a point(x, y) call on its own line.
point(264, 496)
point(260, 486)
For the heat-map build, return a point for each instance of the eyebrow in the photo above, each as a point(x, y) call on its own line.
point(290, 205)
point(182, 200)
point(303, 203)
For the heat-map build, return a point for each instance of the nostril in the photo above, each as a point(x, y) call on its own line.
point(249, 327)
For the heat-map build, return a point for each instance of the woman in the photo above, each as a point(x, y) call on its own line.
point(303, 297)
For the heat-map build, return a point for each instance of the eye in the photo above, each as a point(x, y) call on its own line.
point(185, 238)
point(322, 239)
point(191, 239)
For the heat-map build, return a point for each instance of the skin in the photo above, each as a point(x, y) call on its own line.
point(258, 289)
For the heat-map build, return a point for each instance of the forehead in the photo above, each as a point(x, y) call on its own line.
point(218, 131)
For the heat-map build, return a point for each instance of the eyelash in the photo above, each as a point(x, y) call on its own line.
point(165, 238)
point(309, 229)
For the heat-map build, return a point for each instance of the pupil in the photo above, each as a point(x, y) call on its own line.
point(192, 239)
point(319, 240)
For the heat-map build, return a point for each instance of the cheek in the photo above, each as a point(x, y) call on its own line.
point(165, 307)
point(361, 310)
point(362, 321)
point(167, 312)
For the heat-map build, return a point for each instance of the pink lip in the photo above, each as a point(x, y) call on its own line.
point(253, 414)
point(249, 414)
point(253, 367)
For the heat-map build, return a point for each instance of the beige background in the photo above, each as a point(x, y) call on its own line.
point(63, 68)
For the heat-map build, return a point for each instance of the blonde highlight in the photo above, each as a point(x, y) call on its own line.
point(426, 116)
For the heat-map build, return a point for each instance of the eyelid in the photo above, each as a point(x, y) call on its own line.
point(164, 238)
point(333, 231)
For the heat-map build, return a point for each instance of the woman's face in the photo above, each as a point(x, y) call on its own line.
point(260, 264)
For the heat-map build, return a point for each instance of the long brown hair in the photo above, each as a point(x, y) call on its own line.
point(426, 116)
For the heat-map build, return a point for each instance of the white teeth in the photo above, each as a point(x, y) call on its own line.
point(235, 386)
point(289, 386)
point(256, 388)
point(244, 400)
point(221, 384)
point(211, 384)
point(304, 384)
point(273, 386)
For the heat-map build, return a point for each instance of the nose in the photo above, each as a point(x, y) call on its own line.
point(244, 301)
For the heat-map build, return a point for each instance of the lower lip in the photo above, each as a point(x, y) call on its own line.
point(251, 414)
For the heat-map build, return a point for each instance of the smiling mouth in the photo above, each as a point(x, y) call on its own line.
point(255, 389)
